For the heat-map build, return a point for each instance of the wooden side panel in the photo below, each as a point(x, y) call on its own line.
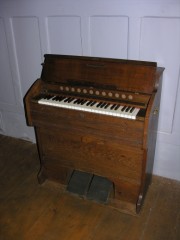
point(149, 143)
point(33, 91)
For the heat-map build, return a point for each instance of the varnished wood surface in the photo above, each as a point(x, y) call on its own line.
point(89, 142)
point(46, 212)
point(116, 74)
point(110, 147)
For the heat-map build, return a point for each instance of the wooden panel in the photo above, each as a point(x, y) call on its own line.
point(69, 149)
point(120, 74)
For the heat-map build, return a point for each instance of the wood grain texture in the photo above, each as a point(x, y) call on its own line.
point(119, 74)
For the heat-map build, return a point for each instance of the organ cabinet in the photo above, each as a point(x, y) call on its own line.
point(96, 123)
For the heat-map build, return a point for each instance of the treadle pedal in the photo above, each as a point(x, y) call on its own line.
point(79, 183)
point(100, 189)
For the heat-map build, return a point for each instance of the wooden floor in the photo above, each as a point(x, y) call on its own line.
point(46, 212)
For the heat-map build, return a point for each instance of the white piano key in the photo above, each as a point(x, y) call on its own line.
point(135, 112)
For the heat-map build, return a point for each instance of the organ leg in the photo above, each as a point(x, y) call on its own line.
point(41, 176)
point(125, 190)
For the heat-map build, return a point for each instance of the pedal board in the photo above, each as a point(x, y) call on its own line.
point(90, 186)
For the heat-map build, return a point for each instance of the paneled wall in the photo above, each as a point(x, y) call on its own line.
point(129, 29)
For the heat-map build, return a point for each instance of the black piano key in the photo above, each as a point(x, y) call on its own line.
point(83, 102)
point(99, 104)
point(80, 100)
point(76, 101)
point(89, 102)
point(117, 107)
point(53, 97)
point(71, 99)
point(132, 109)
point(113, 106)
point(127, 109)
point(103, 105)
point(67, 99)
point(92, 104)
point(57, 98)
point(123, 108)
point(107, 105)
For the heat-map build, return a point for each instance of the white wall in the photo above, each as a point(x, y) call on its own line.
point(130, 29)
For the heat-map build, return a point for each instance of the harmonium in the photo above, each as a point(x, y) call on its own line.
point(96, 124)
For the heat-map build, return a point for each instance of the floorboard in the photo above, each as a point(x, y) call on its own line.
point(47, 212)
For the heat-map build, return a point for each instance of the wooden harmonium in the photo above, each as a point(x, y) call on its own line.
point(96, 121)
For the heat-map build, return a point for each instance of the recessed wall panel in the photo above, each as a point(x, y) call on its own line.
point(109, 36)
point(64, 35)
point(27, 50)
point(6, 84)
point(160, 42)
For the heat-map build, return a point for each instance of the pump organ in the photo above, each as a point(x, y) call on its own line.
point(99, 116)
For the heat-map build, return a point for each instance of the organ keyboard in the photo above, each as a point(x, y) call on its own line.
point(98, 116)
point(94, 106)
